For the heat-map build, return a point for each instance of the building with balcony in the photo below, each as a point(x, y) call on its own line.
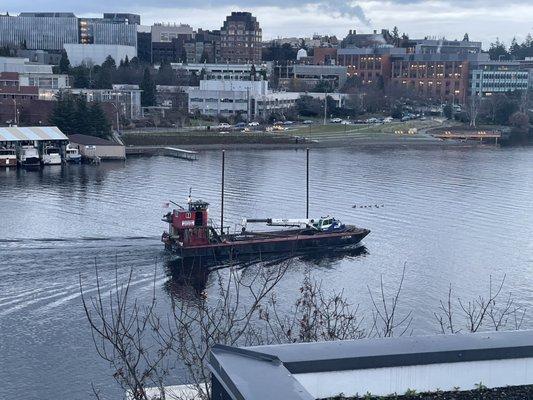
point(240, 39)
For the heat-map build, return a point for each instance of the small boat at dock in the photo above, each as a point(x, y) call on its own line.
point(72, 154)
point(8, 157)
point(51, 155)
point(29, 157)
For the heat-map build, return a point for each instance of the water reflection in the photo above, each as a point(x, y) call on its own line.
point(190, 279)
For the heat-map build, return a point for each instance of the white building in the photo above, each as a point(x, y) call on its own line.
point(223, 71)
point(252, 99)
point(95, 54)
point(23, 66)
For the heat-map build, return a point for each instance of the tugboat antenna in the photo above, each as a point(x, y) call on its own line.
point(222, 195)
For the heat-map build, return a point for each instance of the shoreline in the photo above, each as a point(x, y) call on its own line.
point(392, 142)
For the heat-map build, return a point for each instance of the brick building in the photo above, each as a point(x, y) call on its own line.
point(241, 39)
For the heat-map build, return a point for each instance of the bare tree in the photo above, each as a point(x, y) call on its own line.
point(120, 329)
point(384, 313)
point(483, 312)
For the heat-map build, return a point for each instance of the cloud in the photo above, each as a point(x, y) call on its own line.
point(332, 7)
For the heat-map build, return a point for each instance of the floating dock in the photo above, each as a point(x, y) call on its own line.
point(164, 151)
point(472, 135)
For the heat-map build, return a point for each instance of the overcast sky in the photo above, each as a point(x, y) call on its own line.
point(484, 20)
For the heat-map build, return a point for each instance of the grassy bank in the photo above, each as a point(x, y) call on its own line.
point(330, 135)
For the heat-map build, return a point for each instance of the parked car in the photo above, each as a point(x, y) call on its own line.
point(288, 122)
point(335, 120)
point(223, 125)
point(254, 123)
point(388, 119)
point(345, 122)
point(307, 122)
point(240, 124)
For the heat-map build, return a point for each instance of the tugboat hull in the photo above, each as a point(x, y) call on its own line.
point(238, 246)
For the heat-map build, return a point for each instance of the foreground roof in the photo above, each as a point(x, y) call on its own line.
point(91, 140)
point(29, 133)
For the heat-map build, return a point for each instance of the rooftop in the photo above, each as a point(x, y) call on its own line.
point(91, 140)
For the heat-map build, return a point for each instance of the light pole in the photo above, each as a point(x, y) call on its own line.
point(16, 111)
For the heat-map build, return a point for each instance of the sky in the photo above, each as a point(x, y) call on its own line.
point(483, 20)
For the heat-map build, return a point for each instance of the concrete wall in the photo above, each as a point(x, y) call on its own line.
point(422, 378)
point(104, 152)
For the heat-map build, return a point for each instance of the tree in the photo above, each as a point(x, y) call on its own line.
point(448, 111)
point(514, 48)
point(397, 111)
point(466, 38)
point(519, 121)
point(82, 122)
point(64, 63)
point(245, 311)
point(109, 63)
point(308, 106)
point(148, 88)
point(396, 36)
point(166, 75)
point(498, 51)
point(64, 113)
point(81, 76)
point(99, 121)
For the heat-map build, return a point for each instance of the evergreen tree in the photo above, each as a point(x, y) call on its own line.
point(396, 35)
point(148, 89)
point(109, 63)
point(64, 113)
point(64, 63)
point(497, 50)
point(166, 75)
point(98, 120)
point(466, 38)
point(126, 62)
point(82, 123)
point(515, 49)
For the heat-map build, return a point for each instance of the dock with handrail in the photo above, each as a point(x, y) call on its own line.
point(164, 151)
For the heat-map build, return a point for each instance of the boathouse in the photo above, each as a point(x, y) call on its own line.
point(95, 148)
point(16, 136)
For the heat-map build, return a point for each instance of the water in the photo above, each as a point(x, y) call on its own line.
point(451, 216)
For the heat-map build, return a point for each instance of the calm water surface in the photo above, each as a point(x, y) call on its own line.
point(452, 216)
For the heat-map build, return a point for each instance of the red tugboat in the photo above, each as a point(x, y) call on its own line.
point(191, 236)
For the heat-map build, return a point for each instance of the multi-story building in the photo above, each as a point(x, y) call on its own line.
point(203, 47)
point(372, 64)
point(433, 76)
point(490, 77)
point(123, 18)
point(23, 73)
point(308, 76)
point(235, 72)
point(43, 31)
point(50, 31)
point(168, 41)
point(251, 99)
point(240, 38)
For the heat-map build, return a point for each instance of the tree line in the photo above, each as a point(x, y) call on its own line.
point(72, 114)
point(516, 51)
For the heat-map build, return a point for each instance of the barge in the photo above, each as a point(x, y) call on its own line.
point(191, 236)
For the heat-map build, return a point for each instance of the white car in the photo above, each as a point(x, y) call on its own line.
point(345, 122)
point(253, 124)
point(223, 125)
point(335, 120)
